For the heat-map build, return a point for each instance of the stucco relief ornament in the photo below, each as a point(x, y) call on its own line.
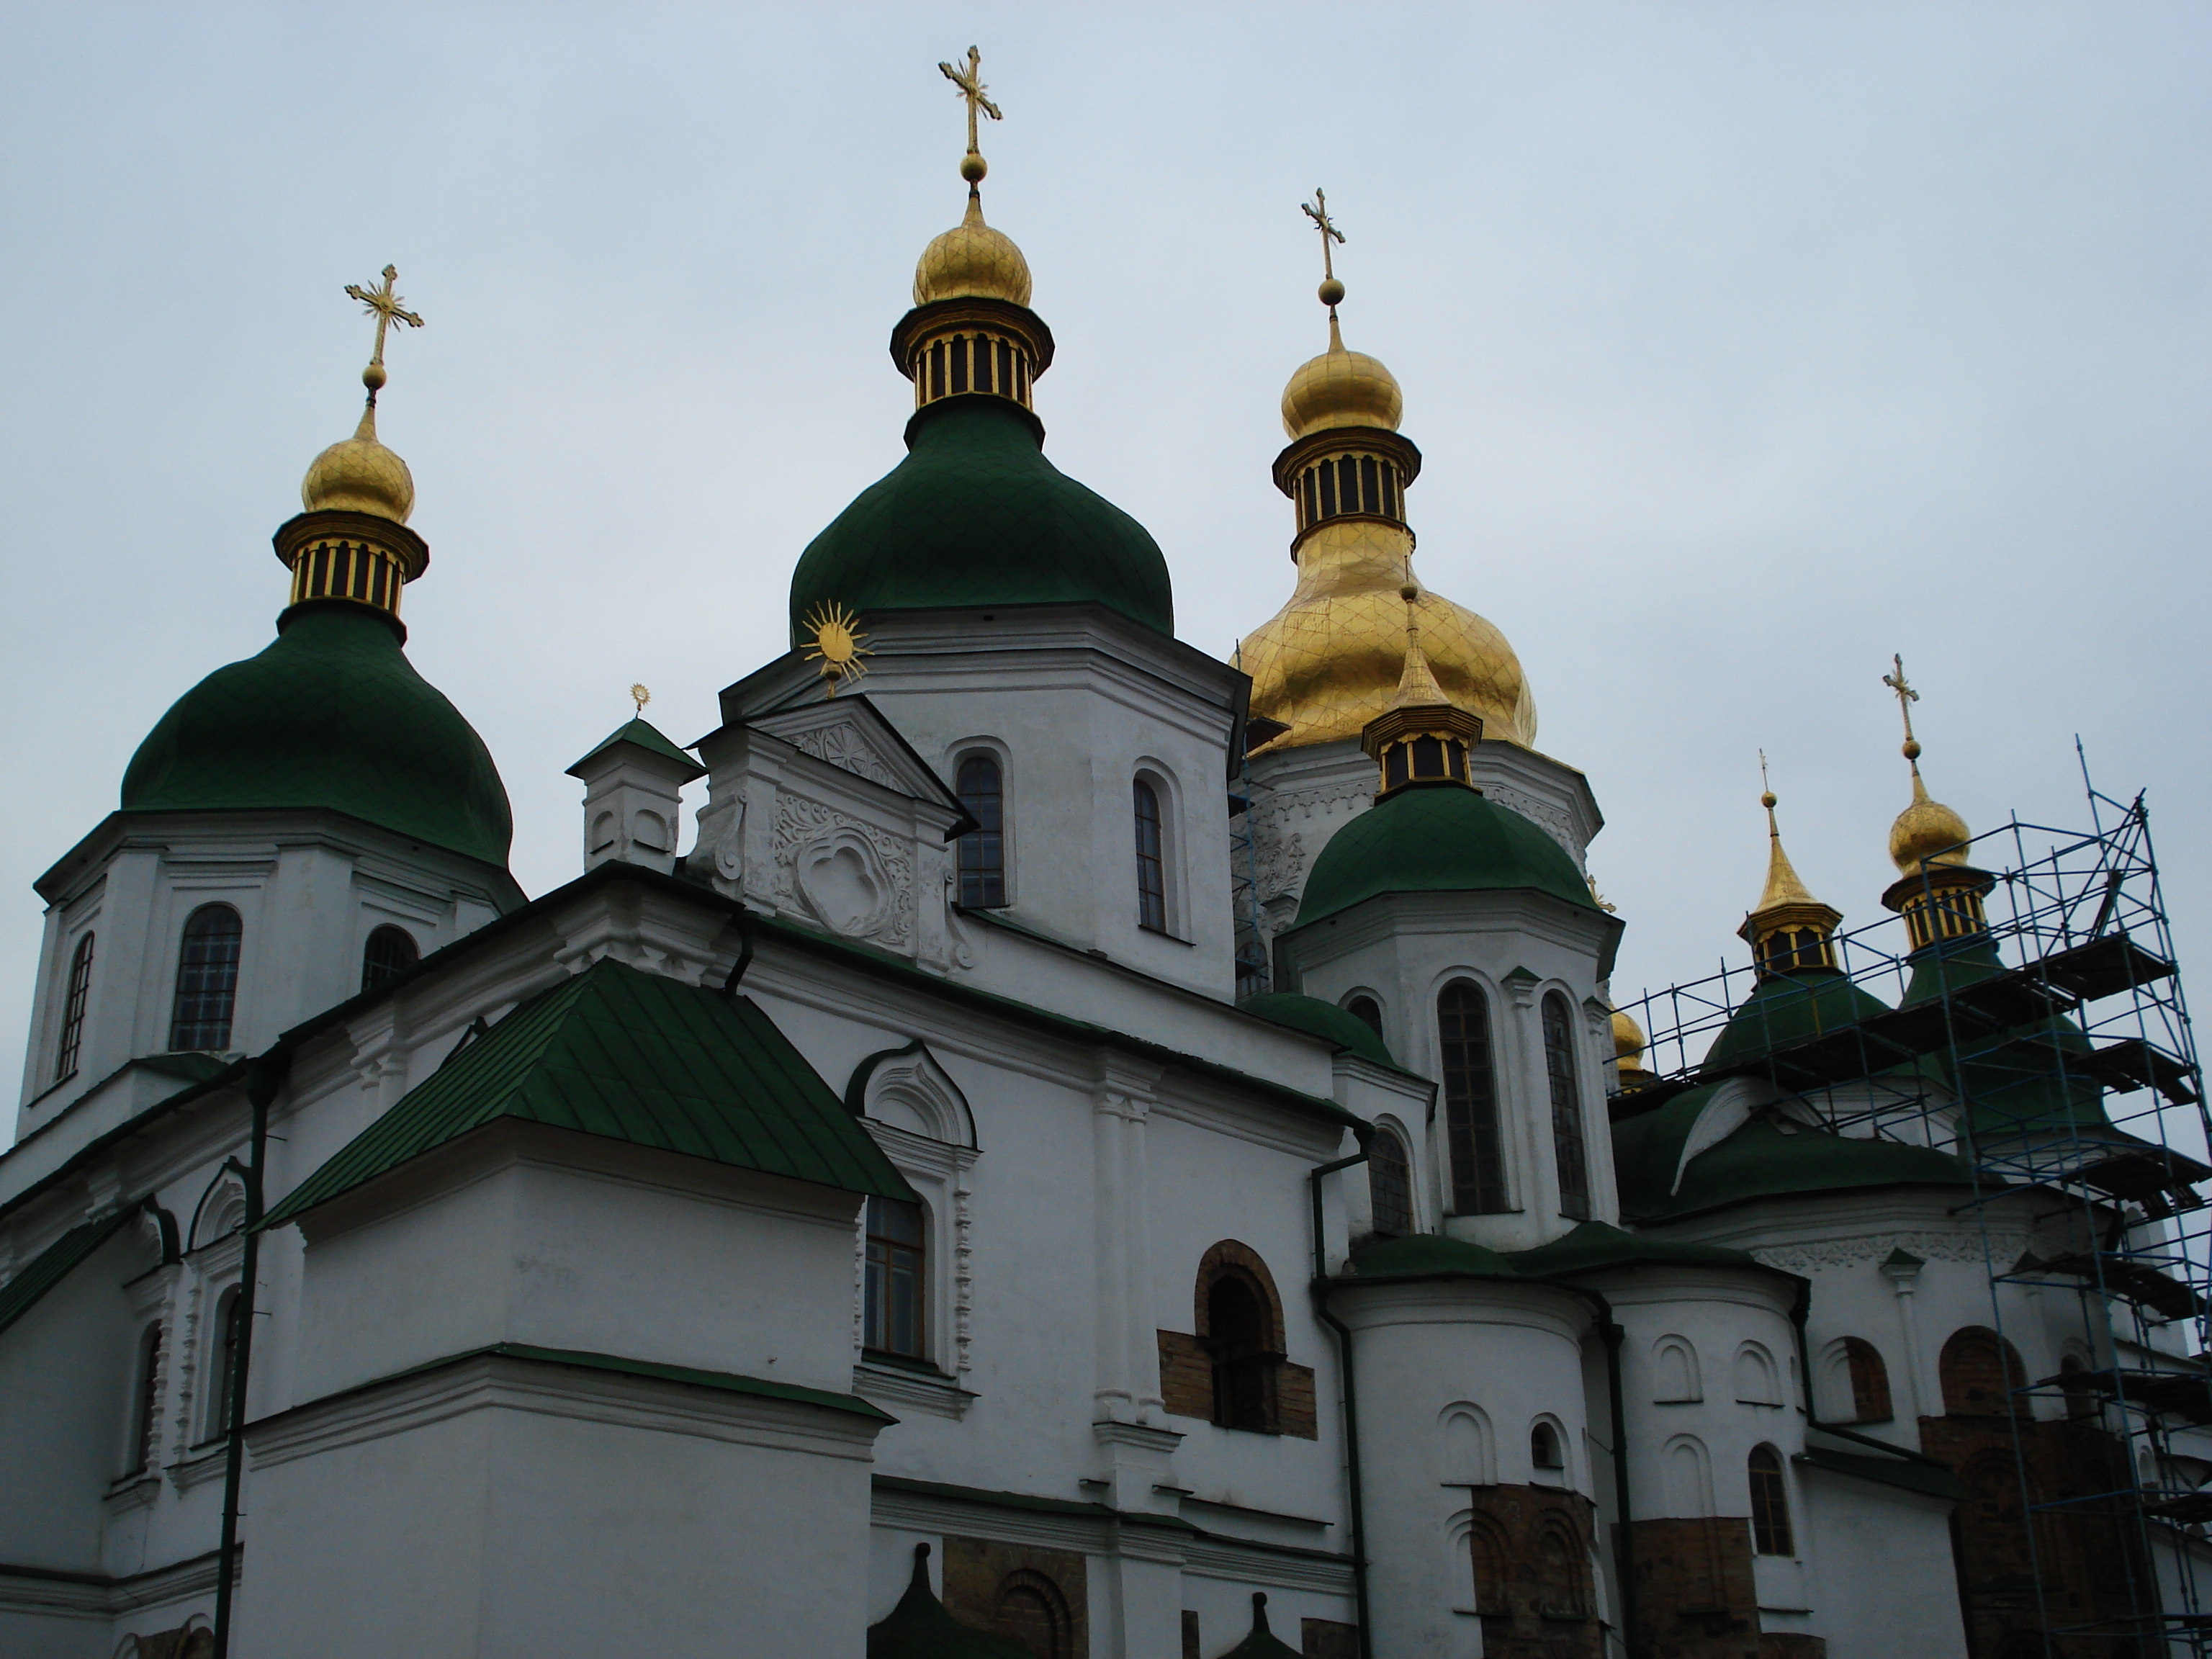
point(844, 746)
point(1549, 818)
point(857, 881)
point(1283, 865)
point(730, 845)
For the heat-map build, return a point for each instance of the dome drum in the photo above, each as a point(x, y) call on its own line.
point(971, 346)
point(1788, 937)
point(357, 558)
point(1348, 473)
point(1940, 902)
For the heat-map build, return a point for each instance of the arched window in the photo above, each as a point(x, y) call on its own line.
point(1544, 1450)
point(892, 1313)
point(1236, 1325)
point(207, 979)
point(73, 1004)
point(982, 790)
point(1152, 858)
point(1562, 1571)
point(1367, 1011)
point(1031, 1608)
point(1770, 1504)
point(1390, 1185)
point(1869, 1380)
point(1979, 1371)
point(146, 1401)
point(1477, 1171)
point(222, 1367)
point(1567, 1145)
point(390, 953)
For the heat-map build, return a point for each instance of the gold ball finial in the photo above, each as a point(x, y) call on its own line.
point(1769, 801)
point(1409, 593)
point(974, 167)
point(1912, 750)
point(374, 378)
point(1331, 291)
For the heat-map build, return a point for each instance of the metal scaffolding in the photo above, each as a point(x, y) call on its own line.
point(2052, 1052)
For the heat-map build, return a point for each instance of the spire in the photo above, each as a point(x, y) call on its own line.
point(971, 332)
point(1341, 388)
point(1422, 736)
point(1789, 929)
point(351, 544)
point(1938, 892)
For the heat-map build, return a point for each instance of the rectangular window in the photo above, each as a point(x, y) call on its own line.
point(1478, 1165)
point(960, 364)
point(892, 1316)
point(1327, 489)
point(1568, 1150)
point(1389, 490)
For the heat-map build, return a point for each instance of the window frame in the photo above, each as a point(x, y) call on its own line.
point(76, 1001)
point(142, 1450)
point(227, 996)
point(1403, 1187)
point(1772, 1532)
point(1155, 906)
point(878, 1314)
point(383, 930)
point(1570, 1151)
point(1474, 1124)
point(965, 755)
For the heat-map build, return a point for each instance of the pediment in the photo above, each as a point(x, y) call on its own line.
point(851, 734)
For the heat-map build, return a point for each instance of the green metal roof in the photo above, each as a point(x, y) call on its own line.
point(1321, 1019)
point(636, 1057)
point(975, 515)
point(1906, 1474)
point(1442, 838)
point(649, 737)
point(331, 716)
point(1786, 1008)
point(1590, 1247)
point(1260, 1643)
point(52, 1265)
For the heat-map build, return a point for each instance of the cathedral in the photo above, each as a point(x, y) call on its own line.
point(1027, 1140)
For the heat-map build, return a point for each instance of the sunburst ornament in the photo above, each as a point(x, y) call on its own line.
point(836, 645)
point(641, 696)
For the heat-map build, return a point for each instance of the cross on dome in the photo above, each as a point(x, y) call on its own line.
point(969, 83)
point(383, 305)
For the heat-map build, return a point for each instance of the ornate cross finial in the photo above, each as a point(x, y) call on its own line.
point(1906, 696)
point(1317, 211)
point(383, 305)
point(970, 81)
point(1766, 796)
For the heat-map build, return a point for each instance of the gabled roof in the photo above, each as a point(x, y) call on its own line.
point(850, 733)
point(630, 1057)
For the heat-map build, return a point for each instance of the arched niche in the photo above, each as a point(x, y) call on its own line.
point(906, 1088)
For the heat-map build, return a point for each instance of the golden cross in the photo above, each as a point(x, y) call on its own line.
point(1317, 211)
point(1906, 696)
point(383, 305)
point(970, 82)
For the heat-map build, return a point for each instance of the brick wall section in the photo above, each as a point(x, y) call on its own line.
point(1186, 1375)
point(1325, 1638)
point(1535, 1586)
point(1695, 1597)
point(996, 1587)
point(1295, 1410)
point(2086, 1552)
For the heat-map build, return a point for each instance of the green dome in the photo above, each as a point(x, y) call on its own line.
point(1787, 1008)
point(974, 515)
point(331, 716)
point(1437, 839)
point(1321, 1019)
point(2015, 1083)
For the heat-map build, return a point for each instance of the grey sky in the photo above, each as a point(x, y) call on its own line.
point(1745, 344)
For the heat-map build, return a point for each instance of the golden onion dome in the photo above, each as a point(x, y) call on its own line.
point(1926, 832)
point(1331, 660)
point(1627, 1039)
point(360, 475)
point(1341, 388)
point(971, 261)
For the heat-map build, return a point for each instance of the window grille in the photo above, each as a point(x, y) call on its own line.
point(73, 1006)
point(982, 789)
point(1570, 1151)
point(207, 979)
point(1477, 1172)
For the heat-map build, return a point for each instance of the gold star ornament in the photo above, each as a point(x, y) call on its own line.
point(836, 645)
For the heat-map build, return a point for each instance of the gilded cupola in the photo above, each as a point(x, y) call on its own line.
point(1423, 737)
point(1628, 1045)
point(1332, 659)
point(971, 332)
point(352, 543)
point(1789, 929)
point(1938, 892)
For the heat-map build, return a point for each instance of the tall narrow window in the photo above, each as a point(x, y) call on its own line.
point(1367, 1011)
point(1390, 1185)
point(1477, 1171)
point(892, 1319)
point(222, 1368)
point(1243, 1369)
point(1770, 1504)
point(146, 1400)
point(1152, 860)
point(390, 953)
point(983, 849)
point(207, 979)
point(1568, 1150)
point(73, 1003)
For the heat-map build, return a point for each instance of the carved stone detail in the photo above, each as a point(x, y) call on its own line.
point(1806, 1258)
point(855, 879)
point(844, 746)
point(1554, 821)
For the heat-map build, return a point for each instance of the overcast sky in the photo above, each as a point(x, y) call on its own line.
point(1746, 345)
